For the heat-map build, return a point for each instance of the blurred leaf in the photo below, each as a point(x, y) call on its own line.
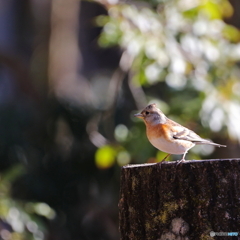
point(191, 13)
point(226, 8)
point(25, 224)
point(13, 173)
point(212, 9)
point(101, 20)
point(231, 33)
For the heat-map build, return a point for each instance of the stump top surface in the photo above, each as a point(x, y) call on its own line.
point(185, 162)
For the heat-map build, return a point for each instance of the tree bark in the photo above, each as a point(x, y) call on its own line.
point(185, 201)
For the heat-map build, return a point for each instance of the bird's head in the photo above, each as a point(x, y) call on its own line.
point(152, 115)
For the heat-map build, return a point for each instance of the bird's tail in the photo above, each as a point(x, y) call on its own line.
point(217, 145)
point(211, 143)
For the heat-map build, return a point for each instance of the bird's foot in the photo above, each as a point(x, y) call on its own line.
point(180, 161)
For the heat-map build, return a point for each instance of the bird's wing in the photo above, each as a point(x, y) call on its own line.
point(182, 133)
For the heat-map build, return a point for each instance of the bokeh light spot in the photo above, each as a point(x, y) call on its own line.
point(121, 132)
point(123, 158)
point(105, 157)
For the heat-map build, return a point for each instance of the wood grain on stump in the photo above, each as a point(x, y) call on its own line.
point(185, 201)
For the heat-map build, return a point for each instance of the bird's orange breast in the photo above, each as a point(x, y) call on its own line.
point(160, 136)
point(158, 131)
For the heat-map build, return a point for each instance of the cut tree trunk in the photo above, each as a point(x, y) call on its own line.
point(192, 200)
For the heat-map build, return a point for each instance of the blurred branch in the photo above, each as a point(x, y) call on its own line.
point(94, 135)
point(107, 116)
point(115, 85)
point(137, 92)
point(113, 94)
point(135, 88)
point(64, 54)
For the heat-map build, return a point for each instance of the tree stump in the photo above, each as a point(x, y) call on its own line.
point(192, 200)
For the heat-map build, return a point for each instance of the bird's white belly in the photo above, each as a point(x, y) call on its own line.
point(176, 147)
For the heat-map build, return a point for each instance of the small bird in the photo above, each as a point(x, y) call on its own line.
point(167, 135)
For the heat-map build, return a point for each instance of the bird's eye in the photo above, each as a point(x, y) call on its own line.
point(146, 113)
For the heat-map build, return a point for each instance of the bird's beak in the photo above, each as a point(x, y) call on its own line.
point(138, 115)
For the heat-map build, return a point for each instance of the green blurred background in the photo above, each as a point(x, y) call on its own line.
point(73, 73)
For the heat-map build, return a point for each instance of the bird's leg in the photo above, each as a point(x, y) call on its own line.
point(183, 158)
point(159, 163)
point(165, 158)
